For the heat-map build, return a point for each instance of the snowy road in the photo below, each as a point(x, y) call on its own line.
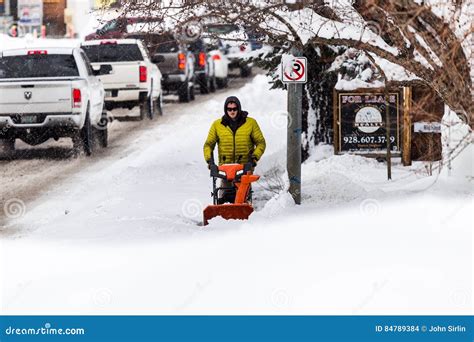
point(35, 170)
point(118, 233)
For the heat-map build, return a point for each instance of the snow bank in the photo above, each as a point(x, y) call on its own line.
point(122, 237)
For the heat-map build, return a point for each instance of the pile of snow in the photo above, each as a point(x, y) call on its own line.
point(122, 237)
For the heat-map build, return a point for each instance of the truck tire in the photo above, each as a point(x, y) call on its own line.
point(222, 82)
point(245, 71)
point(191, 93)
point(7, 147)
point(204, 84)
point(184, 92)
point(159, 105)
point(83, 139)
point(151, 108)
point(145, 109)
point(213, 86)
point(102, 130)
point(104, 138)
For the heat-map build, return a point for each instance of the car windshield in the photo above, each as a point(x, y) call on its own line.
point(39, 65)
point(222, 29)
point(113, 53)
point(158, 43)
point(145, 27)
point(196, 46)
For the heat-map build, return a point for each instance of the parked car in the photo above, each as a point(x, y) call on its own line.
point(221, 62)
point(118, 28)
point(235, 44)
point(176, 63)
point(204, 70)
point(134, 80)
point(51, 93)
point(256, 38)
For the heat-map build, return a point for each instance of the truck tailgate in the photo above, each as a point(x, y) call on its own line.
point(35, 97)
point(170, 64)
point(123, 75)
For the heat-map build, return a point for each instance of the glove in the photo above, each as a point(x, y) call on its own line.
point(254, 161)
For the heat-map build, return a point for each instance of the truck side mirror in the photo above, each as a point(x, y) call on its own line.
point(104, 69)
point(156, 59)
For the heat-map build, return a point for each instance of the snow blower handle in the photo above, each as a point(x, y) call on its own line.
point(214, 169)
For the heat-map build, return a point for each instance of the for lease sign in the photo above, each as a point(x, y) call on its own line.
point(362, 122)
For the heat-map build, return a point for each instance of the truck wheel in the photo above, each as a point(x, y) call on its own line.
point(102, 130)
point(144, 109)
point(83, 139)
point(159, 105)
point(184, 92)
point(151, 108)
point(245, 71)
point(213, 85)
point(204, 84)
point(7, 147)
point(104, 138)
point(221, 82)
point(191, 93)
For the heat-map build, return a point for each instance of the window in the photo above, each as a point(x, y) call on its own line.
point(113, 53)
point(33, 66)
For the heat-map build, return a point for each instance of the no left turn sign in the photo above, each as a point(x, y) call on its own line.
point(294, 70)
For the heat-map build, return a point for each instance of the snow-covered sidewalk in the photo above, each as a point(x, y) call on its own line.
point(121, 237)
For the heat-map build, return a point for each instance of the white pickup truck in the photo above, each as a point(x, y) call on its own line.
point(134, 80)
point(51, 93)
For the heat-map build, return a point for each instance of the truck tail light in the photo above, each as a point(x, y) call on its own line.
point(202, 59)
point(216, 57)
point(108, 42)
point(76, 98)
point(181, 61)
point(37, 52)
point(243, 47)
point(143, 74)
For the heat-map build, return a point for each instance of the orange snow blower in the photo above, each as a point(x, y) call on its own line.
point(236, 199)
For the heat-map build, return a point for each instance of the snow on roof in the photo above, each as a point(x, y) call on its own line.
point(29, 42)
point(308, 25)
point(48, 49)
point(110, 41)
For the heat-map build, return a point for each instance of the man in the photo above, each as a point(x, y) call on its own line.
point(238, 136)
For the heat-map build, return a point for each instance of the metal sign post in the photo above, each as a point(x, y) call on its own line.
point(294, 73)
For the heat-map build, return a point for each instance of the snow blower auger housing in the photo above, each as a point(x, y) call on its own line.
point(239, 194)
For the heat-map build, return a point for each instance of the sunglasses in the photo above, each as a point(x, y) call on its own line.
point(231, 109)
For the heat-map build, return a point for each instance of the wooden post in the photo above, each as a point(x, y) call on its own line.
point(406, 140)
point(388, 129)
point(335, 122)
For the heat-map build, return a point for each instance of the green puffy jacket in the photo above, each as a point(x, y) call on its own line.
point(238, 147)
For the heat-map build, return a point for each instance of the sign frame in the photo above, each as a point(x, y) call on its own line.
point(367, 92)
point(303, 62)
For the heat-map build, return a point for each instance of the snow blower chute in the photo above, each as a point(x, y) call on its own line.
point(238, 194)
